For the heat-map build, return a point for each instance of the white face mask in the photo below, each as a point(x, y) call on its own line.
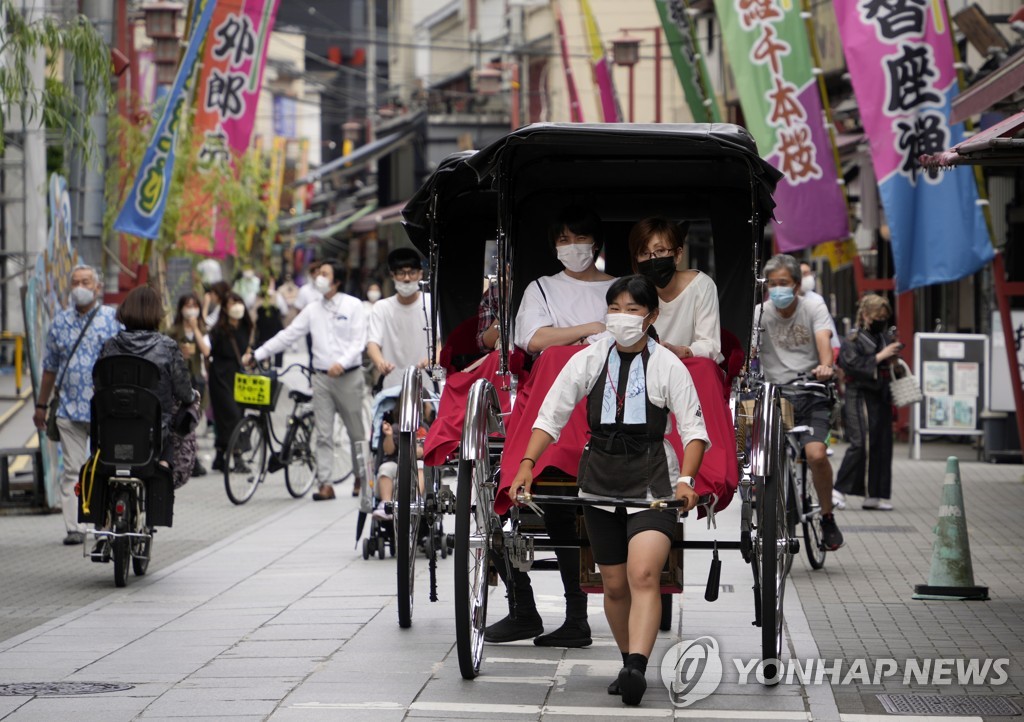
point(236, 311)
point(625, 327)
point(190, 313)
point(407, 288)
point(373, 296)
point(82, 296)
point(321, 284)
point(576, 257)
point(807, 283)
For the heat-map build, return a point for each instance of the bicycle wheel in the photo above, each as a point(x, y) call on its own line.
point(245, 461)
point(300, 473)
point(810, 506)
point(473, 501)
point(775, 553)
point(407, 518)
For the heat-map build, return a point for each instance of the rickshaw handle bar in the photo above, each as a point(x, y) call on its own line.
point(525, 498)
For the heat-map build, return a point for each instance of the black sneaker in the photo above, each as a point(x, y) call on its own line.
point(831, 537)
point(572, 634)
point(512, 630)
point(632, 685)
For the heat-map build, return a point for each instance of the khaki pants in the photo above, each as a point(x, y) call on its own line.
point(74, 445)
point(343, 396)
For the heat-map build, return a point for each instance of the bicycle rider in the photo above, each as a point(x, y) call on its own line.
point(796, 339)
point(338, 325)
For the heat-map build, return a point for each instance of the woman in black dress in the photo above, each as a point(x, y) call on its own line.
point(231, 338)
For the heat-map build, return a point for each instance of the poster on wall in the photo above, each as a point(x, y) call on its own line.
point(936, 377)
point(952, 368)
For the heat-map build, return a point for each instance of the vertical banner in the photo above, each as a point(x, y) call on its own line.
point(607, 99)
point(689, 61)
point(900, 57)
point(143, 210)
point(770, 54)
point(234, 59)
point(46, 293)
point(575, 114)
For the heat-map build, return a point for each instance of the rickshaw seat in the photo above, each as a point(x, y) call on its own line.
point(734, 355)
point(460, 350)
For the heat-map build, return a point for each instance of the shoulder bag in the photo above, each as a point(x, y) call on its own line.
point(52, 432)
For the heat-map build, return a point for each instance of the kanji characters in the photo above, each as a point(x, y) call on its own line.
point(894, 18)
point(786, 108)
point(910, 77)
point(235, 38)
point(770, 48)
point(215, 149)
point(798, 155)
point(224, 94)
point(753, 12)
point(924, 134)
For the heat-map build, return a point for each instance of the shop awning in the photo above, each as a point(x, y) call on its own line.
point(993, 88)
point(338, 226)
point(996, 146)
point(360, 157)
point(384, 215)
point(291, 221)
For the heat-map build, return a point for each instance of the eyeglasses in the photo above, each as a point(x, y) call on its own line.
point(406, 274)
point(656, 253)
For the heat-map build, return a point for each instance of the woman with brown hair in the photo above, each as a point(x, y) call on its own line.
point(142, 312)
point(689, 323)
point(866, 357)
point(231, 338)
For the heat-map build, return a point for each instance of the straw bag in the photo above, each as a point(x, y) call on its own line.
point(905, 387)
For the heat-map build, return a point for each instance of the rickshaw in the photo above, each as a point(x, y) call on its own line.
point(707, 174)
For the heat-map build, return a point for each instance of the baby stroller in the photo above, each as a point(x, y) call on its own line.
point(382, 525)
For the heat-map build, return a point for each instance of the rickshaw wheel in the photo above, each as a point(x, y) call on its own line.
point(473, 504)
point(407, 518)
point(774, 554)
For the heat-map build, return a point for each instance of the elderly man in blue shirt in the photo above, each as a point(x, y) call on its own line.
point(73, 344)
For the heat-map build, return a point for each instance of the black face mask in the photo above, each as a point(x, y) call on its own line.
point(878, 326)
point(659, 270)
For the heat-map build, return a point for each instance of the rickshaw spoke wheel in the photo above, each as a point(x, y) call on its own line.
point(408, 513)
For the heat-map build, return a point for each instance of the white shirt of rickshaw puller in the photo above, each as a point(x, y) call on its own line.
point(565, 302)
point(669, 385)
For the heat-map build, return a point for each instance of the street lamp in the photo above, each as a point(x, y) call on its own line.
point(626, 51)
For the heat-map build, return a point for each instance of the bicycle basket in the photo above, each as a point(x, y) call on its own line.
point(257, 391)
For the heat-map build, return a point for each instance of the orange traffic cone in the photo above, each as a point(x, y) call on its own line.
point(952, 573)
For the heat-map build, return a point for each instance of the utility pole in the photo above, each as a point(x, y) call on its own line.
point(87, 179)
point(371, 72)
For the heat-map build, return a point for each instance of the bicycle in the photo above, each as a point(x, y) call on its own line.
point(804, 507)
point(247, 461)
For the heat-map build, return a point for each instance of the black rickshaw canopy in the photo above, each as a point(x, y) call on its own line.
point(708, 174)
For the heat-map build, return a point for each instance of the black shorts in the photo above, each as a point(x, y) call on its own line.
point(610, 531)
point(814, 411)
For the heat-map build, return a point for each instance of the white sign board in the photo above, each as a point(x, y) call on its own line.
point(1000, 389)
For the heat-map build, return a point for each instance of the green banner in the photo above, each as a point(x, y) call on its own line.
point(680, 33)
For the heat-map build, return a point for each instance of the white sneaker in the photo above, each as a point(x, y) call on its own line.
point(838, 500)
point(873, 504)
point(381, 512)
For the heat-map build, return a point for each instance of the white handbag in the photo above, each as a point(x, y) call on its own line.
point(905, 387)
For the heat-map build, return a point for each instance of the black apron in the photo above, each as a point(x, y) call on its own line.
point(624, 460)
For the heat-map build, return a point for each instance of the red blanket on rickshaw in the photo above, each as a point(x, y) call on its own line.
point(718, 474)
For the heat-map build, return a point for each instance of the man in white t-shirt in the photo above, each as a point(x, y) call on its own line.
point(808, 284)
point(568, 307)
point(398, 324)
point(794, 335)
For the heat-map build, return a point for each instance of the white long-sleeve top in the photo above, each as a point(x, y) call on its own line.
point(669, 385)
point(692, 319)
point(338, 326)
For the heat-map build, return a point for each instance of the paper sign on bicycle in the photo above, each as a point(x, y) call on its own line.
point(253, 390)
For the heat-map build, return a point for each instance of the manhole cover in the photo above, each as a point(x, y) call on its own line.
point(58, 689)
point(941, 704)
point(878, 529)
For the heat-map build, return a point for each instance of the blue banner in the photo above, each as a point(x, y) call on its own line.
point(143, 210)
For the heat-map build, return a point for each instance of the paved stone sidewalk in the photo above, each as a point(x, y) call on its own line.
point(283, 620)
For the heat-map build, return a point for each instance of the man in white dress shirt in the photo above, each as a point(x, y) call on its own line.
point(338, 326)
